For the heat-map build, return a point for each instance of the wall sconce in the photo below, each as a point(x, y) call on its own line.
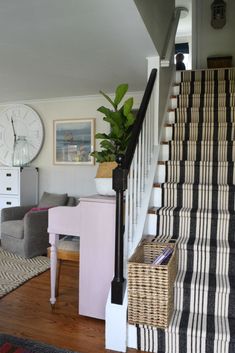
point(218, 14)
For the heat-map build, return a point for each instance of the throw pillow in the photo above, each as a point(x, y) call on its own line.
point(52, 200)
point(38, 209)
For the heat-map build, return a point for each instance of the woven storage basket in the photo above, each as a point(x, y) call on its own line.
point(150, 287)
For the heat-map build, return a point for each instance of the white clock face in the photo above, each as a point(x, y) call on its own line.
point(27, 123)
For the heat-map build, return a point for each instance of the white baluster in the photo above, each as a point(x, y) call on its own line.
point(131, 204)
point(139, 173)
point(135, 188)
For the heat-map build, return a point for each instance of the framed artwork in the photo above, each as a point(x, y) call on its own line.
point(74, 141)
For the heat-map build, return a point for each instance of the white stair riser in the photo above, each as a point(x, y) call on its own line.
point(156, 197)
point(177, 77)
point(164, 153)
point(160, 175)
point(150, 224)
point(176, 90)
point(171, 117)
point(167, 133)
point(173, 103)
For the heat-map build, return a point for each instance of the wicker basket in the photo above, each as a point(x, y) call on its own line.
point(150, 287)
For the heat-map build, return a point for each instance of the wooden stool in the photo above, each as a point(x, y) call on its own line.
point(68, 250)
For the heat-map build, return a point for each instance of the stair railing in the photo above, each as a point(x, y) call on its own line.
point(170, 42)
point(130, 178)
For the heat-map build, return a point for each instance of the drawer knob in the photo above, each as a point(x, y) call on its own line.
point(8, 189)
point(8, 174)
point(8, 202)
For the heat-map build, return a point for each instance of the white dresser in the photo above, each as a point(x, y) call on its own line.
point(18, 186)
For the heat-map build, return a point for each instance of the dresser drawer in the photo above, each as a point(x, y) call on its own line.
point(8, 201)
point(9, 181)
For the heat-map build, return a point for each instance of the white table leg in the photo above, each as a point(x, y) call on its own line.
point(53, 239)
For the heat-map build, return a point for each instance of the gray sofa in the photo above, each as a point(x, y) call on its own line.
point(24, 228)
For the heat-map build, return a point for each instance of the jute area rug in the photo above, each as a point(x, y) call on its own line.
point(16, 270)
point(11, 344)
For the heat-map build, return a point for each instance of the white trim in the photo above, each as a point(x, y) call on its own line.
point(132, 337)
point(72, 98)
point(116, 325)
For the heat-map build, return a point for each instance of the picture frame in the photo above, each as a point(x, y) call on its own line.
point(74, 141)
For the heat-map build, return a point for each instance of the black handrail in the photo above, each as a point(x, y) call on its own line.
point(120, 185)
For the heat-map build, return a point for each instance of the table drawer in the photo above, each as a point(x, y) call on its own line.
point(9, 181)
point(8, 201)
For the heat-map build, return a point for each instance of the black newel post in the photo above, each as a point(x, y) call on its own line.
point(119, 185)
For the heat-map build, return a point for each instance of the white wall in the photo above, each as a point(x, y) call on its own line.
point(210, 41)
point(75, 180)
point(157, 16)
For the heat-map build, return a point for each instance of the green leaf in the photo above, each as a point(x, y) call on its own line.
point(109, 120)
point(117, 131)
point(128, 106)
point(109, 99)
point(130, 120)
point(117, 118)
point(108, 145)
point(120, 93)
point(107, 112)
point(101, 136)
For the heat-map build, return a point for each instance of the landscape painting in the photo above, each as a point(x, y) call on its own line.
point(74, 141)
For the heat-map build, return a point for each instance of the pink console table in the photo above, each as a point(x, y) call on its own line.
point(94, 221)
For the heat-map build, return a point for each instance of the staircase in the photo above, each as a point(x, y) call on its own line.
point(194, 203)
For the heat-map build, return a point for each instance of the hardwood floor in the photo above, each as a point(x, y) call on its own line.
point(26, 312)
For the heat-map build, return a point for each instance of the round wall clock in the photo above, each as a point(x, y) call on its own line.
point(20, 121)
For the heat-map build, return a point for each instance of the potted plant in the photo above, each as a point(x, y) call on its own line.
point(120, 118)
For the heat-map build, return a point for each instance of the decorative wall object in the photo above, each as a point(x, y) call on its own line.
point(74, 141)
point(17, 121)
point(218, 14)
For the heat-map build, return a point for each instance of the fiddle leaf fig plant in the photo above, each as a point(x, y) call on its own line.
point(121, 119)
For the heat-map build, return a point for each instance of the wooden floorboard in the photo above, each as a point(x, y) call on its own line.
point(26, 312)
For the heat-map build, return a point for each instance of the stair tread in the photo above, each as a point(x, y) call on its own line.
point(191, 211)
point(212, 326)
point(201, 124)
point(211, 109)
point(208, 142)
point(216, 246)
point(207, 163)
point(206, 82)
point(204, 94)
point(205, 282)
point(198, 163)
point(195, 185)
point(153, 210)
point(194, 211)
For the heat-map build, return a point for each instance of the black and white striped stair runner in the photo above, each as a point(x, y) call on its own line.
point(198, 210)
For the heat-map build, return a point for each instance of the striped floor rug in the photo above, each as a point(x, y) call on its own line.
point(16, 270)
point(198, 211)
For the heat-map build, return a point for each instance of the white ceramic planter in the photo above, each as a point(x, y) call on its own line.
point(104, 186)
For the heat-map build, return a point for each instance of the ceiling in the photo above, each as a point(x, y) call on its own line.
point(61, 48)
point(185, 23)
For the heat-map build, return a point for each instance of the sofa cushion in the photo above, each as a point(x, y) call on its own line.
point(52, 200)
point(13, 228)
